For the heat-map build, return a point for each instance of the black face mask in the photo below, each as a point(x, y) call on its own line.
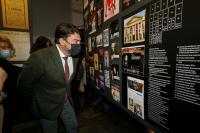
point(75, 49)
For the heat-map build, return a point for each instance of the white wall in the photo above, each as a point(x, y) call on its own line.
point(45, 15)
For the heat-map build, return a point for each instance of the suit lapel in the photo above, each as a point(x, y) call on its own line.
point(58, 63)
point(57, 60)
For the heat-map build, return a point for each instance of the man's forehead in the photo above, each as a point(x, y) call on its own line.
point(75, 36)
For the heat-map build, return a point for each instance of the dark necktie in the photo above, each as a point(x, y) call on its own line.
point(66, 70)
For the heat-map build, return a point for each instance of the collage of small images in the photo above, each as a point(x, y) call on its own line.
point(133, 43)
point(133, 56)
point(165, 15)
point(108, 59)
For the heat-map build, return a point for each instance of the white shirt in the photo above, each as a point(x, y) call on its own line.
point(69, 61)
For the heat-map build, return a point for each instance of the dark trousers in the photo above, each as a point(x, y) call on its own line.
point(67, 116)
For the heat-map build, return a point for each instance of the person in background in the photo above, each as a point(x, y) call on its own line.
point(7, 51)
point(40, 43)
point(87, 93)
point(83, 88)
point(9, 94)
point(76, 83)
point(46, 78)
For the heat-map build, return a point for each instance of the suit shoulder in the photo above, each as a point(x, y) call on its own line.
point(42, 52)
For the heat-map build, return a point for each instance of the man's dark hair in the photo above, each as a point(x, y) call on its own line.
point(64, 30)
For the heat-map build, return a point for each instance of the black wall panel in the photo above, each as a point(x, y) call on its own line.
point(157, 77)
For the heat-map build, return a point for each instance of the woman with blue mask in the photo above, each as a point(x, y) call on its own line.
point(6, 48)
point(9, 94)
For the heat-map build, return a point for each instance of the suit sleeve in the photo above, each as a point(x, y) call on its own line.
point(30, 75)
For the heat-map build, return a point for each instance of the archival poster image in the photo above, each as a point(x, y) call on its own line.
point(133, 60)
point(106, 58)
point(107, 78)
point(99, 40)
point(114, 40)
point(106, 38)
point(114, 29)
point(101, 81)
point(135, 99)
point(92, 17)
point(134, 28)
point(111, 8)
point(15, 14)
point(114, 51)
point(90, 47)
point(101, 58)
point(99, 14)
point(96, 61)
point(115, 91)
point(115, 72)
point(91, 71)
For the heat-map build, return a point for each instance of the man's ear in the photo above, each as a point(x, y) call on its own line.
point(61, 41)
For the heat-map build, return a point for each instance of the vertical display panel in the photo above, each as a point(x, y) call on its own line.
point(135, 96)
point(172, 69)
point(154, 44)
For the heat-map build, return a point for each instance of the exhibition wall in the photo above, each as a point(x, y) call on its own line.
point(143, 55)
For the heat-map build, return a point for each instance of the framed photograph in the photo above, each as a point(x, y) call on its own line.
point(134, 28)
point(133, 60)
point(101, 81)
point(101, 58)
point(91, 72)
point(106, 58)
point(96, 61)
point(114, 29)
point(92, 17)
point(115, 72)
point(106, 38)
point(114, 49)
point(135, 99)
point(99, 40)
point(111, 8)
point(99, 14)
point(107, 78)
point(115, 92)
point(15, 14)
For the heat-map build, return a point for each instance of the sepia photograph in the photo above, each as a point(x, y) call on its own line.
point(134, 28)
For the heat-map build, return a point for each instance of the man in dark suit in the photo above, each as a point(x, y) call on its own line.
point(44, 78)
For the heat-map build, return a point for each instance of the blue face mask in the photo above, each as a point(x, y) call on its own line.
point(75, 49)
point(6, 54)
